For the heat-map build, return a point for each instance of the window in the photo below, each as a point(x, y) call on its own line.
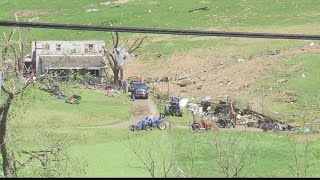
point(58, 47)
point(94, 72)
point(73, 49)
point(89, 48)
point(101, 49)
point(45, 46)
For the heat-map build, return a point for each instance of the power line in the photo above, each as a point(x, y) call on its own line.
point(159, 31)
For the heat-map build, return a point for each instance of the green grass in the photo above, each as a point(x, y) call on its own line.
point(95, 109)
point(304, 89)
point(269, 156)
point(105, 150)
point(221, 14)
point(107, 153)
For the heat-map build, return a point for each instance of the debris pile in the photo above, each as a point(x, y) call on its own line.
point(227, 115)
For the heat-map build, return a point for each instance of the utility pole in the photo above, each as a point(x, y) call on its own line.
point(0, 80)
point(168, 88)
point(262, 98)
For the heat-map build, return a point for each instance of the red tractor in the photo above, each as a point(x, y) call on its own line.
point(204, 124)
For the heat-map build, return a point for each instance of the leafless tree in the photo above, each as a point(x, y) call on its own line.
point(300, 163)
point(49, 160)
point(112, 56)
point(230, 154)
point(154, 154)
point(13, 85)
point(188, 168)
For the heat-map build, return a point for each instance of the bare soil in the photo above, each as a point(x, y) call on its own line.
point(307, 137)
point(36, 12)
point(215, 75)
point(141, 108)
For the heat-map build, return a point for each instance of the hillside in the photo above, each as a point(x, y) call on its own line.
point(240, 67)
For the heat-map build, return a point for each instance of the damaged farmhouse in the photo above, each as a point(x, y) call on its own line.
point(64, 57)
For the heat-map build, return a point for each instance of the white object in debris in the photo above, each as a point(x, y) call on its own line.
point(311, 44)
point(241, 60)
point(306, 130)
point(89, 10)
point(303, 75)
point(183, 102)
point(208, 98)
point(105, 3)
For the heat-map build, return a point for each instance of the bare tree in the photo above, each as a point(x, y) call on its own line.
point(13, 85)
point(230, 154)
point(47, 159)
point(300, 163)
point(154, 154)
point(116, 54)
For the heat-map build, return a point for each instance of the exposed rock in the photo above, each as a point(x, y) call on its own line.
point(282, 81)
point(185, 82)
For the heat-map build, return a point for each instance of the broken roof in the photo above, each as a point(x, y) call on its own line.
point(73, 62)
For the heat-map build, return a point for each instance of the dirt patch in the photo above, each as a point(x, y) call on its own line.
point(217, 75)
point(121, 1)
point(36, 12)
point(307, 137)
point(141, 108)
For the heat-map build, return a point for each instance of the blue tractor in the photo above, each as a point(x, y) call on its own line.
point(149, 124)
point(173, 108)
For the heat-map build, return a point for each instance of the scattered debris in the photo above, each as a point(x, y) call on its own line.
point(229, 83)
point(312, 44)
point(199, 9)
point(282, 81)
point(241, 60)
point(291, 101)
point(90, 10)
point(276, 52)
point(303, 76)
point(105, 3)
point(183, 102)
point(306, 130)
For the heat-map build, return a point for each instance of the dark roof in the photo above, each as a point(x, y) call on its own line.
point(73, 62)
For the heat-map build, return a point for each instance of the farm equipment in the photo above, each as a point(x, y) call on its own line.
point(74, 99)
point(173, 108)
point(225, 113)
point(204, 124)
point(149, 124)
point(262, 121)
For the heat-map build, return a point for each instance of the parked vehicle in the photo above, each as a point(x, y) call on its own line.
point(139, 90)
point(149, 124)
point(173, 108)
point(226, 115)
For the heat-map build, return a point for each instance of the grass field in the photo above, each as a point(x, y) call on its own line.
point(42, 119)
point(107, 152)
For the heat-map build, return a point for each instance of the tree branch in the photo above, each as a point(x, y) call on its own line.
point(115, 39)
point(131, 49)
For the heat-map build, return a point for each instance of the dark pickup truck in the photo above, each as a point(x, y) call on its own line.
point(139, 90)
